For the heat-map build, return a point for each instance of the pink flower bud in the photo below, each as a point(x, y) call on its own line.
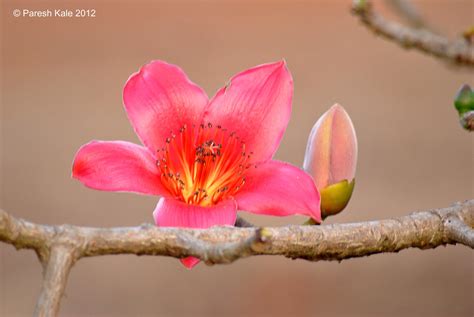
point(331, 158)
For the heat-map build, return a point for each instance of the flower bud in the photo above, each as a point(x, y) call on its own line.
point(331, 158)
point(464, 103)
point(464, 100)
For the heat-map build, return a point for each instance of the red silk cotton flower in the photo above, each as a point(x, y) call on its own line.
point(206, 158)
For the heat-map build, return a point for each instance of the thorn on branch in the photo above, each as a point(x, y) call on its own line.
point(242, 223)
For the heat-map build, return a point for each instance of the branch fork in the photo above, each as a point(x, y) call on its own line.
point(59, 247)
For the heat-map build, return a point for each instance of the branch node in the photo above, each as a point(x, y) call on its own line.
point(458, 231)
point(59, 247)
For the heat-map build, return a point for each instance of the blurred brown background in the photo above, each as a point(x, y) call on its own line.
point(62, 86)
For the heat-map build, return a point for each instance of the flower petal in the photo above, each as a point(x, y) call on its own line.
point(279, 189)
point(256, 104)
point(190, 262)
point(117, 166)
point(159, 100)
point(173, 213)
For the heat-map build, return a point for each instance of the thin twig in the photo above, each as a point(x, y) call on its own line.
point(407, 10)
point(458, 51)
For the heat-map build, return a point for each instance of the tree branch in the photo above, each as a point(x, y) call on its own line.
point(55, 278)
point(459, 231)
point(59, 247)
point(426, 229)
point(26, 235)
point(459, 51)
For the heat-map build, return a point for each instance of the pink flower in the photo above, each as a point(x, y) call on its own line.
point(331, 158)
point(206, 158)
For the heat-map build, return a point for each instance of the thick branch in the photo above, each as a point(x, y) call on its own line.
point(459, 51)
point(55, 278)
point(60, 246)
point(422, 230)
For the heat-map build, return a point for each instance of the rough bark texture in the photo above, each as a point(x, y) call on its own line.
point(56, 273)
point(59, 247)
point(458, 51)
point(426, 229)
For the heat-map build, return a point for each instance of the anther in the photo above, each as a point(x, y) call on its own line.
point(198, 167)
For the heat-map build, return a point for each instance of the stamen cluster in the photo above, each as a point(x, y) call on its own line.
point(203, 164)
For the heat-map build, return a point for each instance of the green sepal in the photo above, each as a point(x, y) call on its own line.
point(335, 197)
